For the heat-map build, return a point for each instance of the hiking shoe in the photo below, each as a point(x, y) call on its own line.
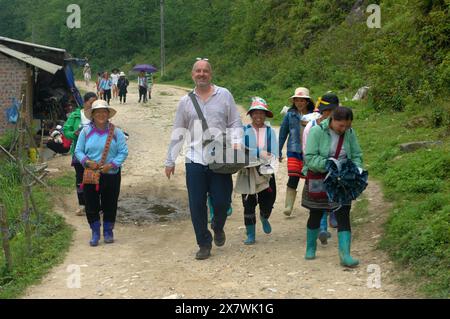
point(219, 238)
point(323, 237)
point(81, 211)
point(203, 253)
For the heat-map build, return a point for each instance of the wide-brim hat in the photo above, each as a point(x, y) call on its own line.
point(100, 104)
point(259, 104)
point(300, 92)
point(122, 73)
point(326, 102)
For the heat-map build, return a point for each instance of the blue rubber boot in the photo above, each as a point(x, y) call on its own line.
point(108, 234)
point(95, 227)
point(230, 211)
point(311, 243)
point(211, 210)
point(324, 234)
point(345, 240)
point(266, 225)
point(250, 235)
point(333, 220)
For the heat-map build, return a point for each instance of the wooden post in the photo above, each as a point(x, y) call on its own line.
point(26, 194)
point(4, 231)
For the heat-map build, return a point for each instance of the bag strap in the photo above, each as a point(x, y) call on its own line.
point(269, 140)
point(108, 144)
point(199, 111)
point(339, 146)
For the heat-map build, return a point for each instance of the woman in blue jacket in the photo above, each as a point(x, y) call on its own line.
point(291, 129)
point(262, 143)
point(89, 150)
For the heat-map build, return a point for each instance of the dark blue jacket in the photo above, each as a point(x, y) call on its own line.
point(290, 127)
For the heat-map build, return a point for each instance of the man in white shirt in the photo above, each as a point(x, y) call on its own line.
point(220, 111)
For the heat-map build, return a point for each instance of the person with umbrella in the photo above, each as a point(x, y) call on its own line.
point(332, 138)
point(145, 80)
point(142, 82)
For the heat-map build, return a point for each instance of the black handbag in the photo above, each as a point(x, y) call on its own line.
point(222, 158)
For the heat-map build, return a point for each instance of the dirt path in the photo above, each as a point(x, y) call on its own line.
point(157, 260)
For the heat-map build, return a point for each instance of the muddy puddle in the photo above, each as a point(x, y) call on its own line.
point(140, 210)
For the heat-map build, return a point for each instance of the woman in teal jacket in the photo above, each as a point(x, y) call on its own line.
point(322, 143)
point(72, 128)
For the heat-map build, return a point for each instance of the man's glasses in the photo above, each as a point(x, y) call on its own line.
point(202, 59)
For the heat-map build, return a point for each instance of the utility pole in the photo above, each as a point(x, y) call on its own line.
point(163, 52)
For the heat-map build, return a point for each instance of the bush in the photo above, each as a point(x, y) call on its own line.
point(420, 172)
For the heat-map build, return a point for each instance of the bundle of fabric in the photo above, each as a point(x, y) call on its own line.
point(345, 181)
point(250, 181)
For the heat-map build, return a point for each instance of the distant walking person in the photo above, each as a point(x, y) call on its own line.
point(122, 84)
point(87, 74)
point(97, 84)
point(220, 111)
point(114, 80)
point(142, 83)
point(105, 87)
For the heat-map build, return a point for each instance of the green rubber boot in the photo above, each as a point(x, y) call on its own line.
point(345, 240)
point(266, 225)
point(290, 201)
point(311, 243)
point(250, 235)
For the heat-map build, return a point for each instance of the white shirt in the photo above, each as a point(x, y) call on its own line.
point(115, 78)
point(84, 120)
point(221, 115)
point(334, 144)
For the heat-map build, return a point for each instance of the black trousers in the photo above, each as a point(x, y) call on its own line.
point(142, 93)
point(265, 199)
point(79, 171)
point(293, 182)
point(107, 95)
point(122, 95)
point(103, 200)
point(342, 217)
point(57, 147)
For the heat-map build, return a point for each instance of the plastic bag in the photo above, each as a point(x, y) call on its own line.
point(12, 113)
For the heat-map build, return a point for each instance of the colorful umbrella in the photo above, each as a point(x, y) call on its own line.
point(145, 68)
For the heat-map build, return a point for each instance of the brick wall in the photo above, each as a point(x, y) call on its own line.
point(12, 75)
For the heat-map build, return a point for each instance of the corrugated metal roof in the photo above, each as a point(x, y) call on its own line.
point(41, 64)
point(32, 44)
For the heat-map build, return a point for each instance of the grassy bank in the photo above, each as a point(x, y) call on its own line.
point(51, 236)
point(417, 234)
